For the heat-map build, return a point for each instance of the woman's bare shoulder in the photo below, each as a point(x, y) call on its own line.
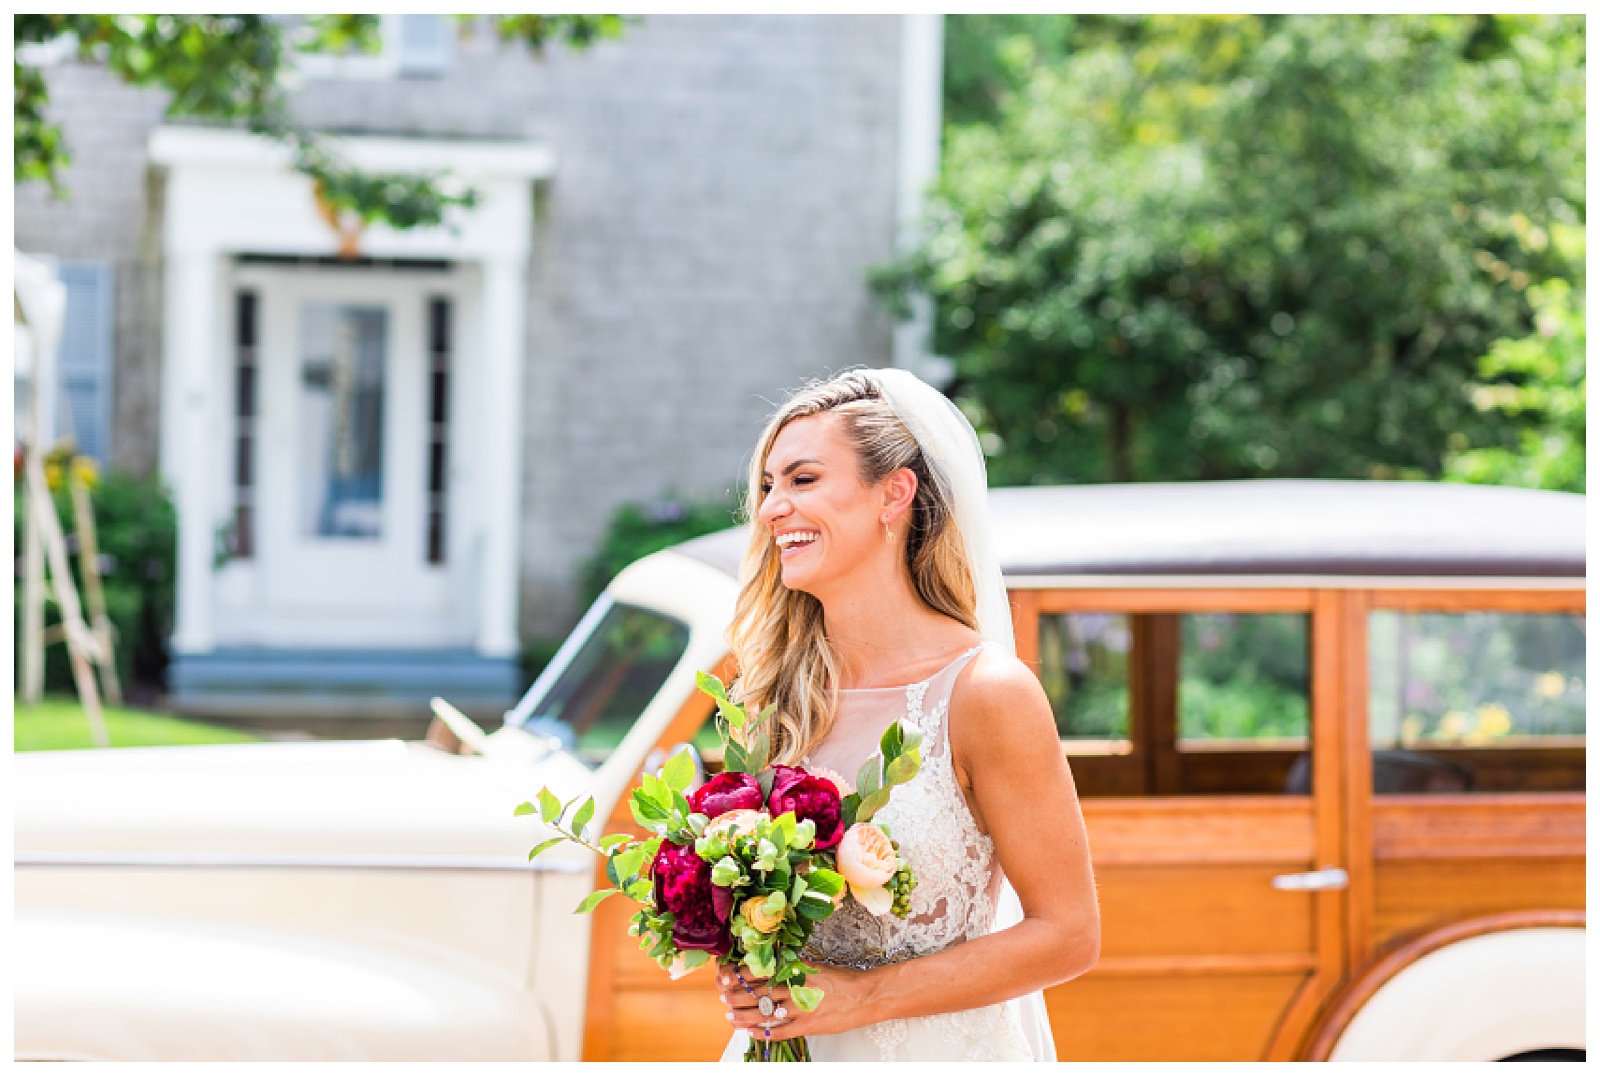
point(1000, 695)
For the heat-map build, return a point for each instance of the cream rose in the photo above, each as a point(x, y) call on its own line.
point(755, 914)
point(737, 822)
point(866, 857)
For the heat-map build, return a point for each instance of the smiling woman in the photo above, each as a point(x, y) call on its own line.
point(868, 596)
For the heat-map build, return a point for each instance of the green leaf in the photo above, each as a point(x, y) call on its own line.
point(867, 777)
point(734, 759)
point(806, 997)
point(678, 772)
point(827, 882)
point(726, 872)
point(524, 809)
point(630, 862)
point(549, 806)
point(775, 903)
point(903, 768)
point(871, 804)
point(814, 909)
point(695, 958)
point(711, 685)
point(847, 809)
point(891, 742)
point(646, 811)
point(594, 898)
point(611, 839)
point(764, 778)
point(761, 752)
point(585, 812)
point(638, 890)
point(544, 847)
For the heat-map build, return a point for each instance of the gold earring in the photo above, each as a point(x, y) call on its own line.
point(888, 537)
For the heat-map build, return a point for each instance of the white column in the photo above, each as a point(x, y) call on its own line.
point(921, 113)
point(500, 446)
point(188, 460)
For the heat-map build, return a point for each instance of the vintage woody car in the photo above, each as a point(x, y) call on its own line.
point(1328, 735)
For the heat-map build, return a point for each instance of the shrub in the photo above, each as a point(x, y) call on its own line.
point(136, 526)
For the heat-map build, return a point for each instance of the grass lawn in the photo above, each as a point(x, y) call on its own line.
point(59, 723)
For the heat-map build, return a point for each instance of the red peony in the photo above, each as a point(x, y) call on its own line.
point(809, 798)
point(724, 792)
point(683, 886)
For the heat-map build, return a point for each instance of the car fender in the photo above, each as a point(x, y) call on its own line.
point(103, 986)
point(1479, 990)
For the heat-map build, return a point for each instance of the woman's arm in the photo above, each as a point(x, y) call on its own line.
point(1007, 752)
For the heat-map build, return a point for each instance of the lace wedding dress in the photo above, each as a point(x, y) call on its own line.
point(958, 893)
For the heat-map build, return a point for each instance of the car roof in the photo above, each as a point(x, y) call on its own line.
point(1321, 527)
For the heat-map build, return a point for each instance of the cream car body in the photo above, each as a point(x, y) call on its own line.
point(361, 900)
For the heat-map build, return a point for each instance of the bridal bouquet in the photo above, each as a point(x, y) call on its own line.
point(744, 866)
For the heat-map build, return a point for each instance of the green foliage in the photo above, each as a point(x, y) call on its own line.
point(1542, 380)
point(1214, 247)
point(59, 723)
point(136, 527)
point(637, 530)
point(235, 69)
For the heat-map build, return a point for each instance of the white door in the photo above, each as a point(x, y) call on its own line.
point(346, 491)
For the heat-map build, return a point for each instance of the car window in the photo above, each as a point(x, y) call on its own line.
point(1476, 701)
point(1083, 665)
point(598, 695)
point(1244, 678)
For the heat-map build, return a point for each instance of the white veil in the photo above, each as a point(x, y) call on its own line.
point(955, 460)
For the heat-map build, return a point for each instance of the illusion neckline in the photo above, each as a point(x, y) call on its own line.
point(921, 682)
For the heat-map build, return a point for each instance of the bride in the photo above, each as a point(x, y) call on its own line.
point(870, 592)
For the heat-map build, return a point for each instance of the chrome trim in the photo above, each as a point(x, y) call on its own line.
point(1287, 581)
point(1332, 877)
point(271, 860)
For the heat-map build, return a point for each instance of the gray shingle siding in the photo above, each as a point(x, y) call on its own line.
point(722, 185)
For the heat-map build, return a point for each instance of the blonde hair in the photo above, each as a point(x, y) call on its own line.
point(782, 655)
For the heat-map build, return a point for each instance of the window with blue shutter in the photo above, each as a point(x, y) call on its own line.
point(85, 359)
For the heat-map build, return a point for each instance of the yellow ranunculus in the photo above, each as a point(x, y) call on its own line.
point(755, 913)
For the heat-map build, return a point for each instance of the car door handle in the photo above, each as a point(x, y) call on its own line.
point(1312, 881)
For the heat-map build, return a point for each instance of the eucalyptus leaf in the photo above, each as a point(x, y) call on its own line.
point(903, 768)
point(871, 804)
point(867, 777)
point(891, 742)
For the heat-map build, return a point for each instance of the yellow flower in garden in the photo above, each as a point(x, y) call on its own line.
point(1494, 719)
point(52, 476)
point(85, 470)
point(1454, 724)
point(1410, 729)
point(1550, 684)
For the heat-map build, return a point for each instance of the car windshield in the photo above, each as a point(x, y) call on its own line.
point(595, 692)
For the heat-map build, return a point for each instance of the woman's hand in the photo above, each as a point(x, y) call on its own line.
point(843, 1006)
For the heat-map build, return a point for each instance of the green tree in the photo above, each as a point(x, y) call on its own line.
point(1212, 247)
point(234, 69)
point(1541, 380)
